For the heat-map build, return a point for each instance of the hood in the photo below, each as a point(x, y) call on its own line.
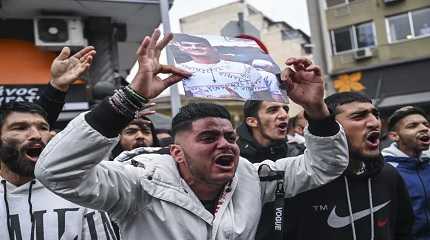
point(255, 152)
point(23, 189)
point(394, 154)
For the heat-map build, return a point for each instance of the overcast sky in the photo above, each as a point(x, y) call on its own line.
point(294, 12)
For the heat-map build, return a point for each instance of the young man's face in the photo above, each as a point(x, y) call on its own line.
point(412, 133)
point(271, 122)
point(362, 127)
point(196, 49)
point(23, 137)
point(134, 136)
point(208, 152)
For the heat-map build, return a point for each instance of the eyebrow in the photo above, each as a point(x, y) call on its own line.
point(27, 123)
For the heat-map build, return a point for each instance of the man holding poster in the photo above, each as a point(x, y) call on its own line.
point(214, 77)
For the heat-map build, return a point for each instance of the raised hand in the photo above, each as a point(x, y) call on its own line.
point(65, 69)
point(305, 86)
point(146, 82)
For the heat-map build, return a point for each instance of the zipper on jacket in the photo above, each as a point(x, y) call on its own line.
point(425, 195)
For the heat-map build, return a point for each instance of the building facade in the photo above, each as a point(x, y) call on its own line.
point(380, 47)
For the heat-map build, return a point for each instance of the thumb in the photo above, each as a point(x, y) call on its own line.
point(64, 54)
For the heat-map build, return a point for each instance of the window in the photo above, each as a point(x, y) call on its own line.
point(353, 37)
point(400, 27)
point(333, 3)
point(409, 25)
point(364, 35)
point(421, 20)
point(343, 39)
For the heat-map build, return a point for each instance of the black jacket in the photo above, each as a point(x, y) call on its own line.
point(324, 213)
point(255, 153)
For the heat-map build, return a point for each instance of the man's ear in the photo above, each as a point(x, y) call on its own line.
point(177, 153)
point(251, 122)
point(393, 136)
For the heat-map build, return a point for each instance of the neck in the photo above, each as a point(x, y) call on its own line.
point(203, 190)
point(355, 165)
point(410, 152)
point(206, 59)
point(12, 177)
point(260, 139)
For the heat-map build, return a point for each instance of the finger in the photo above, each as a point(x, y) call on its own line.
point(83, 51)
point(154, 38)
point(172, 80)
point(64, 54)
point(88, 60)
point(314, 68)
point(148, 105)
point(162, 44)
point(90, 53)
point(287, 78)
point(145, 113)
point(287, 73)
point(142, 48)
point(300, 61)
point(174, 70)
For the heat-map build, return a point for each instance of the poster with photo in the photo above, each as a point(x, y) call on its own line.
point(226, 68)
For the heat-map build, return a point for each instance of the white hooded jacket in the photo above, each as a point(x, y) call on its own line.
point(152, 201)
point(53, 217)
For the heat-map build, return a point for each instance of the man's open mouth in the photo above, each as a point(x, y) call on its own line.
point(425, 138)
point(373, 138)
point(33, 153)
point(225, 160)
point(283, 126)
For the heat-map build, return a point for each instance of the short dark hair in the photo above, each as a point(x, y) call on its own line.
point(23, 107)
point(251, 107)
point(181, 37)
point(335, 100)
point(195, 111)
point(403, 112)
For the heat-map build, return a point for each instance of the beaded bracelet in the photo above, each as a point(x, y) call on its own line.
point(135, 94)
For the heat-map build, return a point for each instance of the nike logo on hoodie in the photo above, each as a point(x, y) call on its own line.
point(336, 221)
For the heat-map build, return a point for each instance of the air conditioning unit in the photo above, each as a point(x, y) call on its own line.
point(57, 32)
point(363, 53)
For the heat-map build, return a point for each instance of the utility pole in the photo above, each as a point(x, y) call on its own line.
point(175, 100)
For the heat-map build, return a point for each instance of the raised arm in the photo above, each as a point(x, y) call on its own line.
point(326, 156)
point(71, 164)
point(65, 70)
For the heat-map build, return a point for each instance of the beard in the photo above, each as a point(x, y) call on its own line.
point(14, 158)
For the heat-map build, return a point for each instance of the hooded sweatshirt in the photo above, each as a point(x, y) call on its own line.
point(256, 153)
point(416, 174)
point(372, 205)
point(36, 213)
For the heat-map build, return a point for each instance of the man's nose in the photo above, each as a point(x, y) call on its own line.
point(283, 114)
point(34, 134)
point(373, 121)
point(139, 135)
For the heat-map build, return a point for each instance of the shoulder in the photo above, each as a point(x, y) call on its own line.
point(389, 173)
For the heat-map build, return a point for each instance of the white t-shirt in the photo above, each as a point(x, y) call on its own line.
point(224, 79)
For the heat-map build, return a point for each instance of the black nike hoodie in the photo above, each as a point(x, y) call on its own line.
point(372, 205)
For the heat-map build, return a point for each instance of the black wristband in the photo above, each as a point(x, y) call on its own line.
point(106, 120)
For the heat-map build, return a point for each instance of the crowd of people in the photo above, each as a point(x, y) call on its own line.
point(110, 174)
